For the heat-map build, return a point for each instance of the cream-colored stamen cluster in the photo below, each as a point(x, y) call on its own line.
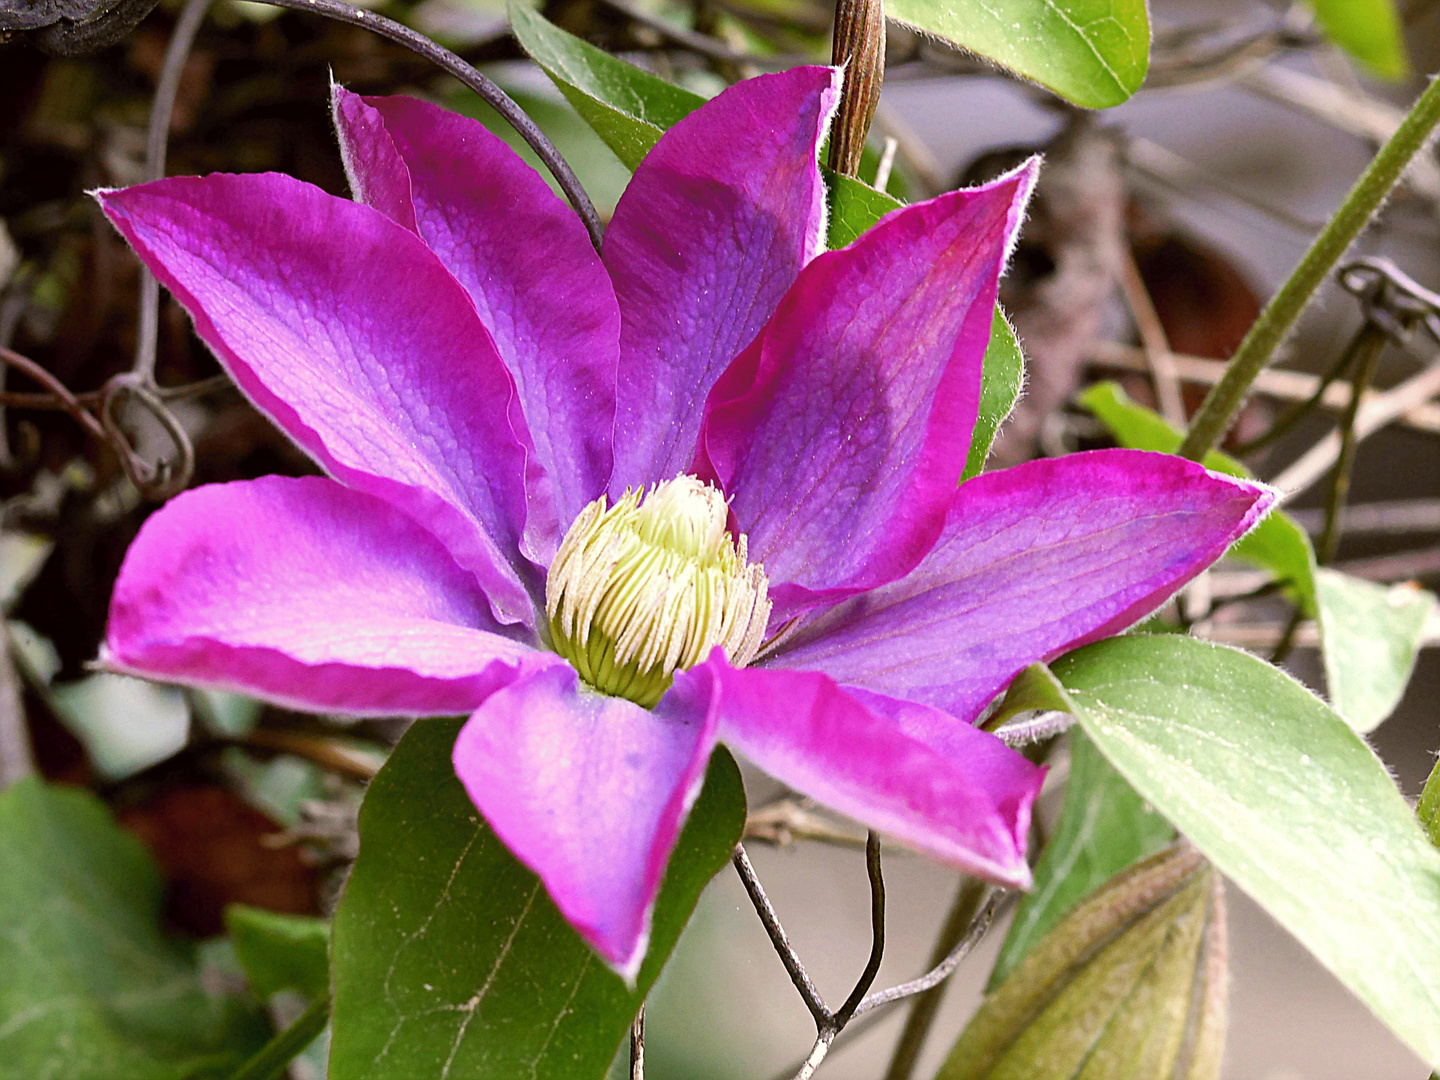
point(649, 586)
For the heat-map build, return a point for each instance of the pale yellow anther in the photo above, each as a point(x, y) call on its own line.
point(649, 586)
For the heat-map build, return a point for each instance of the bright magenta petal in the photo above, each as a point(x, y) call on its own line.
point(961, 796)
point(355, 339)
point(523, 256)
point(1034, 561)
point(841, 432)
point(714, 227)
point(589, 792)
point(309, 594)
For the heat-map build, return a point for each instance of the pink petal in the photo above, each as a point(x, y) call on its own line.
point(355, 339)
point(309, 594)
point(842, 431)
point(590, 792)
point(523, 256)
point(714, 227)
point(962, 796)
point(1034, 561)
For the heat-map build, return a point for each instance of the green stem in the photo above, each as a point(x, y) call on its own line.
point(1369, 344)
point(1228, 395)
point(272, 1058)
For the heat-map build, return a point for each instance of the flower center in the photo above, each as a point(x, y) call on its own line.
point(649, 586)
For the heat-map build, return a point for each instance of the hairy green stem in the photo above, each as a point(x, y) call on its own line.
point(272, 1058)
point(1228, 395)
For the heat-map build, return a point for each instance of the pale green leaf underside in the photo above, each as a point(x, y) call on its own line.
point(1093, 53)
point(1370, 634)
point(1286, 800)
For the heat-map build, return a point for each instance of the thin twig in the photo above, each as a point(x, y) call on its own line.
point(778, 938)
point(877, 932)
point(637, 1045)
point(1370, 342)
point(1397, 517)
point(968, 898)
point(162, 107)
point(1152, 339)
point(937, 975)
point(1297, 412)
point(58, 390)
point(90, 399)
point(1274, 382)
point(16, 759)
point(1375, 412)
point(493, 96)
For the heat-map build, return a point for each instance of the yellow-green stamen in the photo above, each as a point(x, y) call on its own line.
point(650, 586)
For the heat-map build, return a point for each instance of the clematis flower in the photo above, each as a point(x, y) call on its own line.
point(620, 508)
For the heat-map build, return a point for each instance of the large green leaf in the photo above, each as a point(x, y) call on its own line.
point(1104, 827)
point(1277, 544)
point(1369, 30)
point(1287, 800)
point(1370, 636)
point(450, 960)
point(1092, 52)
point(90, 989)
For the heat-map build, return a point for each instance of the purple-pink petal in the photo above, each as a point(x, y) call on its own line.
point(523, 256)
point(965, 798)
point(590, 792)
point(309, 594)
point(841, 432)
point(355, 339)
point(714, 227)
point(1033, 561)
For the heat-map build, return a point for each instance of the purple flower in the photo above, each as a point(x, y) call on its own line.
point(481, 386)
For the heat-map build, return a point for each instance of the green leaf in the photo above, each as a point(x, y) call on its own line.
point(22, 556)
point(281, 952)
point(91, 989)
point(1093, 53)
point(126, 724)
point(1277, 544)
point(1132, 985)
point(1427, 810)
point(449, 958)
point(1000, 384)
point(1104, 827)
point(1369, 30)
point(629, 108)
point(1370, 635)
point(1285, 799)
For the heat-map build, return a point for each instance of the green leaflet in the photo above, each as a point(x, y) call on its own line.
point(90, 989)
point(1285, 799)
point(1370, 635)
point(450, 960)
point(1369, 30)
point(1094, 53)
point(280, 952)
point(1277, 544)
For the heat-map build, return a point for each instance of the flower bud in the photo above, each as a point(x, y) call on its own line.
point(649, 586)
